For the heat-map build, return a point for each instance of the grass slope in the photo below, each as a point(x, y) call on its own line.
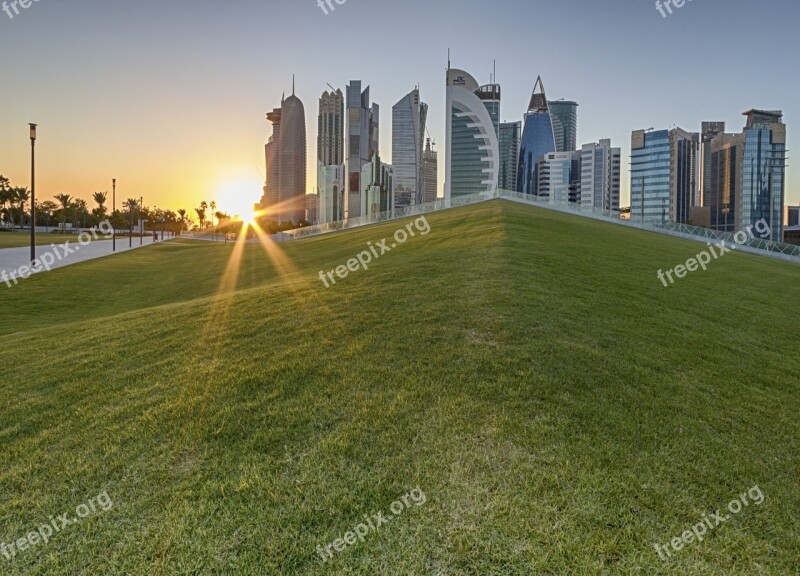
point(561, 410)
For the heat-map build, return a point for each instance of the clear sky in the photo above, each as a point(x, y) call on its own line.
point(170, 96)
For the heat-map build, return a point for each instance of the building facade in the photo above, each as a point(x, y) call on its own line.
point(362, 144)
point(564, 114)
point(664, 166)
point(430, 162)
point(472, 162)
point(537, 140)
point(559, 177)
point(409, 116)
point(510, 134)
point(330, 157)
point(378, 181)
point(600, 175)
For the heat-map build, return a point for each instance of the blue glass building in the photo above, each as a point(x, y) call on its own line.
point(764, 170)
point(537, 140)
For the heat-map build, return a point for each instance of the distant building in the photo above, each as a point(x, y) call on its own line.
point(600, 175)
point(378, 180)
point(559, 177)
point(747, 172)
point(472, 162)
point(510, 133)
point(564, 114)
point(408, 136)
point(537, 140)
point(330, 157)
point(708, 131)
point(285, 189)
point(791, 235)
point(363, 122)
point(430, 163)
point(312, 208)
point(663, 175)
point(792, 216)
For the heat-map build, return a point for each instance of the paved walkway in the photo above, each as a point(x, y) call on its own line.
point(12, 260)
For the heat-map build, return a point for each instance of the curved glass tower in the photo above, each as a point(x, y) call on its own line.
point(537, 140)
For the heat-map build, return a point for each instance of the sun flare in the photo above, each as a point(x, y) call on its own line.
point(238, 194)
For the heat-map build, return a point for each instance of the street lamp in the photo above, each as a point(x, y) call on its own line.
point(113, 210)
point(141, 225)
point(33, 193)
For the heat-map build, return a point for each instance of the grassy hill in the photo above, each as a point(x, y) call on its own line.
point(561, 410)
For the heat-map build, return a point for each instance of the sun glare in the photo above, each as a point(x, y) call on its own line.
point(238, 194)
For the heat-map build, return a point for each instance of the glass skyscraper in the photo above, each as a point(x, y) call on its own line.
point(537, 140)
point(509, 154)
point(764, 170)
point(472, 150)
point(408, 137)
point(362, 145)
point(564, 114)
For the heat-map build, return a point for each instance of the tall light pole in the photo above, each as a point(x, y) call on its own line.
point(113, 209)
point(33, 193)
point(141, 225)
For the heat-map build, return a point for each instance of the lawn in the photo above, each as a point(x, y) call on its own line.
point(560, 410)
point(19, 239)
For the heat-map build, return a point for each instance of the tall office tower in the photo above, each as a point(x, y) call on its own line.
point(663, 174)
point(472, 162)
point(509, 154)
point(271, 197)
point(330, 157)
point(558, 173)
point(537, 139)
point(564, 114)
point(430, 162)
point(312, 209)
point(489, 94)
point(600, 175)
point(292, 158)
point(330, 129)
point(408, 135)
point(747, 180)
point(708, 131)
point(362, 145)
point(378, 181)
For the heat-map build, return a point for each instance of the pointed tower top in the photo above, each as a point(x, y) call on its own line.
point(538, 101)
point(292, 84)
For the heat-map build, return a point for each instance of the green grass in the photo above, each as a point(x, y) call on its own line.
point(19, 239)
point(561, 410)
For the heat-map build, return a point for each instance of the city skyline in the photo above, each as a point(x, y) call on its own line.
point(178, 132)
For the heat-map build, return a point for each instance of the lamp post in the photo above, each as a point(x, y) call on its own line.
point(113, 210)
point(33, 193)
point(141, 225)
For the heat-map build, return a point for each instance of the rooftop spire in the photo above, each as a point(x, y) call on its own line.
point(538, 101)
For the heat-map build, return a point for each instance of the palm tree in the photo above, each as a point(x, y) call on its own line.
point(5, 198)
point(21, 195)
point(79, 209)
point(131, 204)
point(201, 214)
point(100, 199)
point(204, 208)
point(182, 214)
point(65, 200)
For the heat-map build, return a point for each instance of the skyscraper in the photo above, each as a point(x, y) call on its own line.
point(330, 157)
point(708, 131)
point(378, 183)
point(600, 175)
point(747, 174)
point(285, 155)
point(430, 160)
point(362, 145)
point(559, 174)
point(663, 174)
point(509, 154)
point(537, 139)
point(472, 163)
point(408, 134)
point(564, 114)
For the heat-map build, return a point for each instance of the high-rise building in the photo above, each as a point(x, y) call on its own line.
point(330, 157)
point(489, 94)
point(564, 114)
point(600, 175)
point(285, 189)
point(792, 216)
point(559, 175)
point(510, 133)
point(378, 181)
point(747, 174)
point(362, 145)
point(472, 163)
point(663, 174)
point(408, 135)
point(708, 131)
point(537, 139)
point(430, 162)
point(312, 209)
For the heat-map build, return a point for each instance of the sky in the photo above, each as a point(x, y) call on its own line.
point(170, 96)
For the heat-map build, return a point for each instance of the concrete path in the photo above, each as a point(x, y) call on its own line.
point(16, 260)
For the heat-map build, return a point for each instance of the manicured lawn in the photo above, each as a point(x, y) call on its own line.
point(560, 409)
point(18, 239)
